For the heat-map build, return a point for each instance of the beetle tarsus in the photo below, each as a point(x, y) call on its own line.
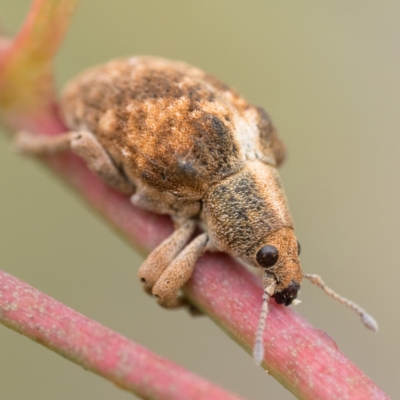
point(82, 143)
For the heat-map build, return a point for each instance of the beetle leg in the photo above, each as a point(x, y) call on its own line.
point(178, 273)
point(85, 145)
point(26, 143)
point(159, 259)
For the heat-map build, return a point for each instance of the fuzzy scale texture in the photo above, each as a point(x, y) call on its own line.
point(191, 147)
point(167, 124)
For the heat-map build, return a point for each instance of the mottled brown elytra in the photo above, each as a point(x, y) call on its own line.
point(182, 143)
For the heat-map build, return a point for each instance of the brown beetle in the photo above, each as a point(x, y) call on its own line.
point(184, 144)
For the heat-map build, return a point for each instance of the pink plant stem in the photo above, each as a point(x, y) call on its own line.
point(97, 348)
point(26, 87)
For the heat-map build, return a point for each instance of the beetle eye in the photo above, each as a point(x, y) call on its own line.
point(267, 256)
point(298, 248)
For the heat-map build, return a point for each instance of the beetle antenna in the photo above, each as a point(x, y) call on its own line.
point(258, 349)
point(368, 321)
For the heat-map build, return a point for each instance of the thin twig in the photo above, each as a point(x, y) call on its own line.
point(97, 348)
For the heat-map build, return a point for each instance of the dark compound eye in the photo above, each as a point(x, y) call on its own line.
point(286, 296)
point(267, 256)
point(298, 248)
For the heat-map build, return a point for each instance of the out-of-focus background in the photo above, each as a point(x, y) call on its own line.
point(328, 74)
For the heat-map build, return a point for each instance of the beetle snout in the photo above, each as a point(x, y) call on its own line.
point(278, 255)
point(287, 295)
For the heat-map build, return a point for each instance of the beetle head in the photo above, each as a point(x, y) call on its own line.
point(278, 255)
point(247, 216)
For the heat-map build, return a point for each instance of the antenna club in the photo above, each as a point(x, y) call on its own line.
point(258, 353)
point(369, 322)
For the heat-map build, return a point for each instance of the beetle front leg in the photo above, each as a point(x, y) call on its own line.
point(178, 273)
point(85, 145)
point(159, 259)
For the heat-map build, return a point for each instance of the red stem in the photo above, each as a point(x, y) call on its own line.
point(97, 348)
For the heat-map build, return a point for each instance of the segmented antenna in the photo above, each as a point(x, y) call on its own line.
point(258, 349)
point(368, 321)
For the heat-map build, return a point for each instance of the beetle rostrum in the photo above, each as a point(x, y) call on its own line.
point(286, 296)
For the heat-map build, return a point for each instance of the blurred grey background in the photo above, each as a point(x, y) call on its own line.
point(328, 74)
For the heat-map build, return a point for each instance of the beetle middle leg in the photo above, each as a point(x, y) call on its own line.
point(178, 273)
point(156, 263)
point(82, 143)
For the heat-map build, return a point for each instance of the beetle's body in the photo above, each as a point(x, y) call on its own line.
point(169, 126)
point(182, 143)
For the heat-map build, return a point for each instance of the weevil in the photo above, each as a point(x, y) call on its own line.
point(182, 143)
